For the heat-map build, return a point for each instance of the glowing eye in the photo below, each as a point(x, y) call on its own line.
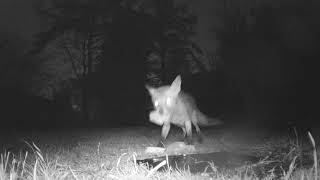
point(156, 104)
point(169, 101)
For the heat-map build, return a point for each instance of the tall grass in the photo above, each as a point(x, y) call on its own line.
point(34, 165)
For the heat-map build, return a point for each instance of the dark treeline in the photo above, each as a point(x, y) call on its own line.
point(106, 46)
point(104, 52)
point(271, 58)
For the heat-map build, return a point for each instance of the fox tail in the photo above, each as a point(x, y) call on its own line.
point(204, 120)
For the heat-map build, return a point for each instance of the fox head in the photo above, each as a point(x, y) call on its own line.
point(164, 100)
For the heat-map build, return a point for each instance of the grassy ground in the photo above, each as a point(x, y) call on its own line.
point(110, 154)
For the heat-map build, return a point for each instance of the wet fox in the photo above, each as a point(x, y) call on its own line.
point(171, 105)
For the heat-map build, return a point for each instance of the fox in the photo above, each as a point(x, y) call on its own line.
point(174, 106)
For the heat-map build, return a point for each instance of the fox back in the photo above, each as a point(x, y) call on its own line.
point(171, 105)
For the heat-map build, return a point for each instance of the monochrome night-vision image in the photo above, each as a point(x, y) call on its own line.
point(159, 89)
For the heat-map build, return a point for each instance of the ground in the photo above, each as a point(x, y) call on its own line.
point(91, 150)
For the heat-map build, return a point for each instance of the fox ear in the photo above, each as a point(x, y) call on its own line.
point(150, 89)
point(175, 87)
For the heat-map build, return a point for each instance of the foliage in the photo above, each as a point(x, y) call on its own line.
point(174, 27)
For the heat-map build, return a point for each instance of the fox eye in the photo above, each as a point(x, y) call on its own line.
point(169, 101)
point(156, 104)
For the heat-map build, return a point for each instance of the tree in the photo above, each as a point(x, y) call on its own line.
point(123, 33)
point(75, 30)
point(128, 38)
point(173, 29)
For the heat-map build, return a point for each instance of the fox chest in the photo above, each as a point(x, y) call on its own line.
point(179, 116)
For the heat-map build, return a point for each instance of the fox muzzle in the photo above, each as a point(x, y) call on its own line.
point(158, 117)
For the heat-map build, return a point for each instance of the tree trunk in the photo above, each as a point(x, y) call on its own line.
point(84, 104)
point(163, 64)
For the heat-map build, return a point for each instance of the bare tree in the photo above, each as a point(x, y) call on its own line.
point(75, 29)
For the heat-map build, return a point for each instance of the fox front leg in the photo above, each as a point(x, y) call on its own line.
point(184, 132)
point(188, 126)
point(164, 134)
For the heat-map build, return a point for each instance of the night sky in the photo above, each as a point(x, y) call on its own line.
point(254, 62)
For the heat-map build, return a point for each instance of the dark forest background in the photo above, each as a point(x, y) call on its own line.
point(89, 65)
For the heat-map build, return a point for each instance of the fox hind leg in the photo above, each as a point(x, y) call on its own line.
point(195, 123)
point(184, 133)
point(199, 134)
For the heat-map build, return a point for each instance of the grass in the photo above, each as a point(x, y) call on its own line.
point(115, 158)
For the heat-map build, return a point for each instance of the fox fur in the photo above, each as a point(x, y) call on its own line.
point(173, 106)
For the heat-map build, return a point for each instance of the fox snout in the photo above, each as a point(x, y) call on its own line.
point(158, 116)
point(155, 118)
